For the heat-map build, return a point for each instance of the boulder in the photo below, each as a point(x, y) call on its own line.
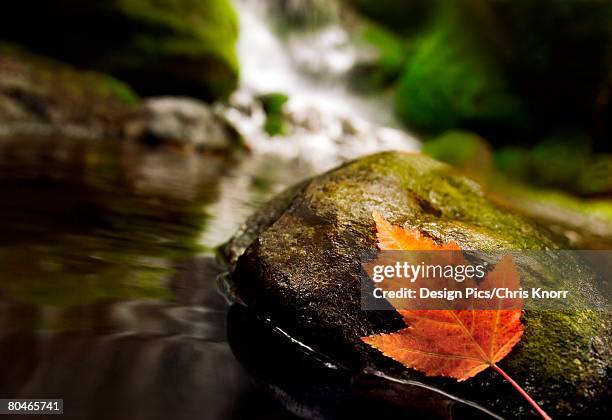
point(160, 47)
point(42, 96)
point(297, 263)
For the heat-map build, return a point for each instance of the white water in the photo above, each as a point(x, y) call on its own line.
point(330, 124)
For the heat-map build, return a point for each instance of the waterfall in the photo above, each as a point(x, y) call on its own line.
point(330, 123)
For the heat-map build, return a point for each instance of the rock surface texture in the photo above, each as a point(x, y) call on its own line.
point(297, 262)
point(181, 121)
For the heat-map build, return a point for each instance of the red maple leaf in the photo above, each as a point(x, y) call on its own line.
point(453, 343)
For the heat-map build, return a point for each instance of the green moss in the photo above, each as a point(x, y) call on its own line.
point(505, 68)
point(196, 27)
point(434, 198)
point(553, 365)
point(596, 208)
point(273, 104)
point(463, 150)
point(587, 222)
point(596, 177)
point(108, 85)
point(558, 161)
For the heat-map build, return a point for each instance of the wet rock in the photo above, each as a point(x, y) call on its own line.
point(313, 386)
point(181, 121)
point(160, 47)
point(301, 268)
point(42, 96)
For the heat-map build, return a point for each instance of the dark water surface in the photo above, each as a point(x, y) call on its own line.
point(108, 292)
point(110, 296)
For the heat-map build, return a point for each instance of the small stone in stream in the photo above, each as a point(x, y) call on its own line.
point(181, 121)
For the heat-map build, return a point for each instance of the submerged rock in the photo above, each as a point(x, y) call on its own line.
point(313, 386)
point(41, 96)
point(160, 47)
point(301, 268)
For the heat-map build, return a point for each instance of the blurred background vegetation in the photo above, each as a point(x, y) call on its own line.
point(515, 93)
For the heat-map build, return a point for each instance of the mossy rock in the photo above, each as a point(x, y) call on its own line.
point(301, 269)
point(40, 93)
point(160, 47)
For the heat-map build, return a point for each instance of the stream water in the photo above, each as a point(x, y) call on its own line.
point(108, 291)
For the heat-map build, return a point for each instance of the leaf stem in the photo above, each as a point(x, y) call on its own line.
point(521, 391)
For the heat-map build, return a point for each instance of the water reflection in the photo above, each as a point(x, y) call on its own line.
point(137, 359)
point(107, 296)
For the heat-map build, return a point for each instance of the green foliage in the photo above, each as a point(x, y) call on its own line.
point(390, 58)
point(557, 54)
point(451, 83)
point(504, 69)
point(559, 160)
point(457, 148)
